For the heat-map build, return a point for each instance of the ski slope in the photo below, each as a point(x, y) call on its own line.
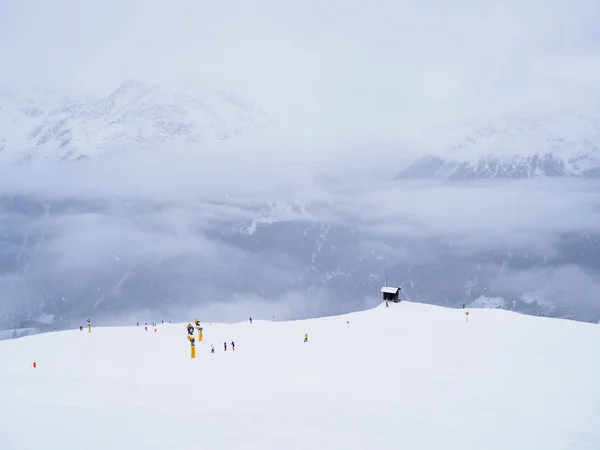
point(410, 376)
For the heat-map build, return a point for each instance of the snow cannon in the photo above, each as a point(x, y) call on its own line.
point(199, 328)
point(190, 336)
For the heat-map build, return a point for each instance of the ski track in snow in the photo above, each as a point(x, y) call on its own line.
point(410, 376)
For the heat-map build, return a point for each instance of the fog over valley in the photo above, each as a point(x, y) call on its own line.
point(226, 160)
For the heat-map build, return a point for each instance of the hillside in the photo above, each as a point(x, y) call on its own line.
point(52, 127)
point(515, 146)
point(408, 376)
point(310, 258)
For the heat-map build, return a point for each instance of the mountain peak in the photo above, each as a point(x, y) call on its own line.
point(130, 89)
point(133, 114)
point(562, 143)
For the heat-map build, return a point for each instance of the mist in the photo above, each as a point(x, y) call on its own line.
point(383, 69)
point(128, 242)
point(307, 220)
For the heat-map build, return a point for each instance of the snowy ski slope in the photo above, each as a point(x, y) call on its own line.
point(410, 376)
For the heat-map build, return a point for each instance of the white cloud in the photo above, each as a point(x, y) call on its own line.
point(330, 66)
point(353, 80)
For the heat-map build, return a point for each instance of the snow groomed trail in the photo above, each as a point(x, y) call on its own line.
point(410, 376)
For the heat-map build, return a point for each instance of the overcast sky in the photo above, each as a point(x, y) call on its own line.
point(377, 62)
point(364, 71)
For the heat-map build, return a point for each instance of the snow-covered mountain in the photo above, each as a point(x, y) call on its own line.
point(269, 252)
point(545, 145)
point(58, 128)
point(290, 248)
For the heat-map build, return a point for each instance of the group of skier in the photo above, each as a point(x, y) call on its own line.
point(154, 324)
point(232, 344)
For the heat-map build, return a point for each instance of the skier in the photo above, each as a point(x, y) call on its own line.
point(232, 345)
point(146, 327)
point(212, 348)
point(224, 346)
point(80, 327)
point(250, 319)
point(137, 324)
point(306, 338)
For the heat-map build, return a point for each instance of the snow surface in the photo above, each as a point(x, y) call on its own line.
point(409, 376)
point(389, 290)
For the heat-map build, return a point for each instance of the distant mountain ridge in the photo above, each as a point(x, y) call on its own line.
point(550, 145)
point(58, 128)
